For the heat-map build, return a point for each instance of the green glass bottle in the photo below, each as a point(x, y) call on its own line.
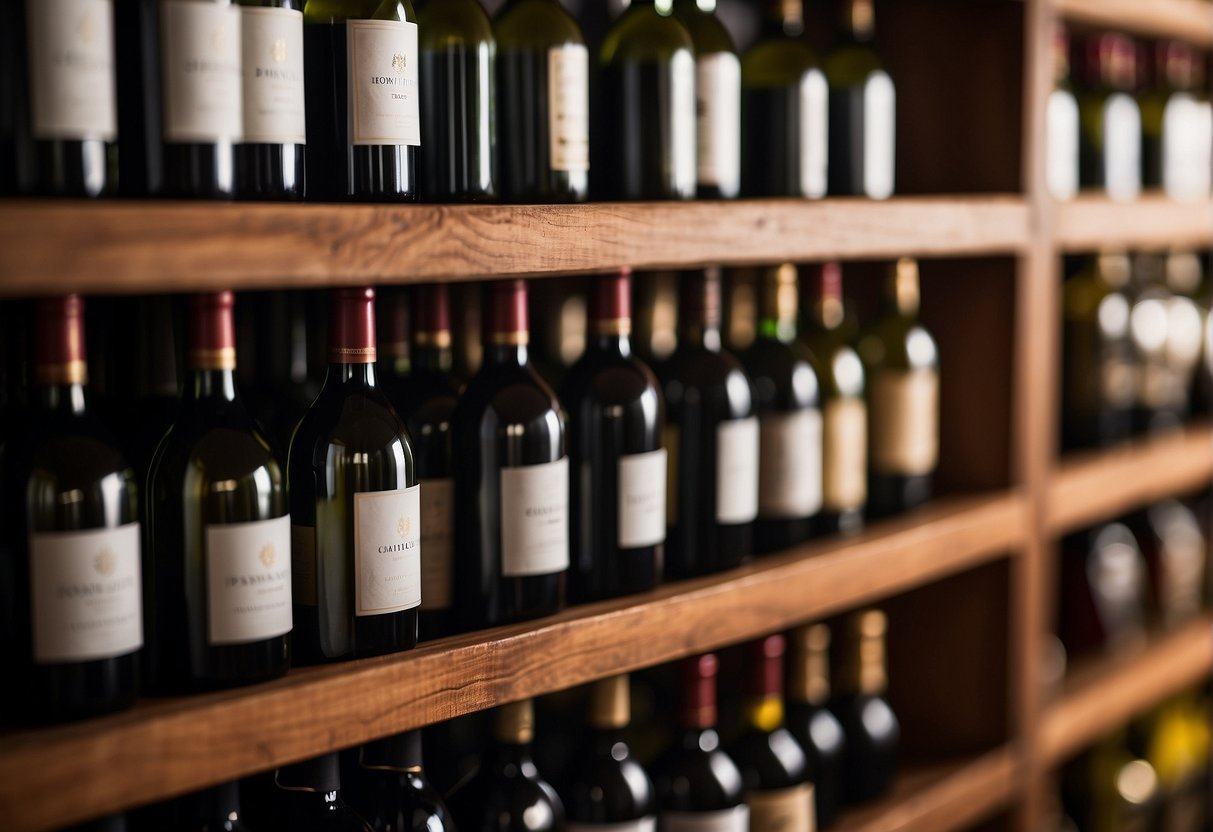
point(1177, 128)
point(717, 100)
point(1110, 146)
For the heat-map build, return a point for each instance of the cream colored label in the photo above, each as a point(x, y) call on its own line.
point(273, 76)
point(535, 519)
point(1187, 148)
point(642, 493)
point(437, 543)
point(1061, 145)
point(845, 454)
point(905, 422)
point(203, 83)
point(670, 436)
point(682, 121)
point(569, 107)
point(718, 120)
point(303, 565)
point(85, 594)
point(248, 581)
point(71, 70)
point(736, 819)
point(789, 473)
point(1122, 147)
point(879, 135)
point(648, 824)
point(387, 551)
point(814, 132)
point(737, 471)
point(383, 91)
point(782, 810)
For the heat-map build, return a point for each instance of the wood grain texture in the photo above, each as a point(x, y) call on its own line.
point(1098, 485)
point(166, 747)
point(1103, 694)
point(1190, 20)
point(126, 247)
point(1153, 221)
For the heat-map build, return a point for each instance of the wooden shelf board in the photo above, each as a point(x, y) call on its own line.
point(1104, 693)
point(1096, 485)
point(169, 746)
point(120, 247)
point(1190, 20)
point(940, 796)
point(1092, 222)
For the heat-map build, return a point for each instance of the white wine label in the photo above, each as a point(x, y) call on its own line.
point(736, 819)
point(383, 91)
point(814, 132)
point(303, 565)
point(535, 519)
point(845, 454)
point(1187, 148)
point(1061, 144)
point(273, 76)
point(682, 121)
point(648, 824)
point(85, 594)
point(437, 543)
point(248, 581)
point(879, 135)
point(670, 436)
point(71, 70)
point(737, 471)
point(718, 120)
point(202, 78)
point(569, 107)
point(789, 471)
point(387, 551)
point(1122, 147)
point(782, 810)
point(905, 422)
point(642, 499)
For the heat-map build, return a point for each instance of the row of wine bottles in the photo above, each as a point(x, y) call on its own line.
point(799, 752)
point(278, 99)
point(1131, 115)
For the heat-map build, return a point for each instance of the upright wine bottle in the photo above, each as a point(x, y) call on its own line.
point(617, 486)
point(813, 724)
point(711, 441)
point(1110, 147)
point(1061, 123)
point(210, 810)
point(71, 537)
point(309, 798)
point(871, 728)
point(457, 100)
point(717, 100)
point(401, 799)
point(543, 103)
point(1174, 547)
point(512, 481)
point(645, 113)
point(270, 161)
point(218, 563)
point(787, 399)
point(363, 115)
point(149, 393)
point(285, 368)
point(1103, 591)
point(784, 109)
point(355, 505)
point(392, 326)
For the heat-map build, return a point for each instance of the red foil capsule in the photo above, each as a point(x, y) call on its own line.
point(611, 303)
point(59, 346)
point(507, 321)
point(432, 316)
point(352, 331)
point(766, 666)
point(212, 332)
point(699, 691)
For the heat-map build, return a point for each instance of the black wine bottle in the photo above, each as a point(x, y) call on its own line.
point(871, 728)
point(812, 723)
point(400, 797)
point(215, 809)
point(1177, 140)
point(309, 798)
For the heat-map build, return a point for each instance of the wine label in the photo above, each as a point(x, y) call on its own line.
point(201, 53)
point(682, 121)
point(736, 819)
point(71, 70)
point(437, 543)
point(670, 436)
point(303, 565)
point(814, 132)
point(1122, 147)
point(718, 120)
point(273, 75)
point(782, 810)
point(85, 594)
point(648, 824)
point(535, 519)
point(905, 422)
point(737, 471)
point(1187, 148)
point(1061, 145)
point(844, 454)
point(1180, 585)
point(569, 107)
point(248, 581)
point(642, 493)
point(387, 551)
point(789, 470)
point(383, 91)
point(879, 135)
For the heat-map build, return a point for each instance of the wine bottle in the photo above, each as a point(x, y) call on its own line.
point(64, 114)
point(863, 109)
point(1061, 123)
point(698, 784)
point(309, 798)
point(355, 505)
point(457, 99)
point(787, 399)
point(844, 413)
point(392, 326)
point(270, 163)
point(711, 441)
point(543, 103)
point(812, 723)
point(610, 788)
point(149, 395)
point(211, 810)
point(363, 116)
point(1103, 591)
point(784, 109)
point(401, 797)
point(1174, 547)
point(218, 562)
point(512, 480)
point(717, 100)
point(1110, 146)
point(285, 370)
point(774, 769)
point(645, 114)
point(617, 486)
point(869, 725)
point(72, 539)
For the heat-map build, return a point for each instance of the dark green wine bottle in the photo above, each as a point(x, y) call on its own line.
point(717, 100)
point(1177, 129)
point(1110, 118)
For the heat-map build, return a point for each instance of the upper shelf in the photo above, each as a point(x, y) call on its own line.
point(1190, 20)
point(1092, 222)
point(129, 247)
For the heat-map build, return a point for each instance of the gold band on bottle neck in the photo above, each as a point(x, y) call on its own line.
point(613, 326)
point(610, 703)
point(71, 372)
point(809, 673)
point(352, 355)
point(864, 660)
point(223, 358)
point(438, 339)
point(510, 339)
point(906, 291)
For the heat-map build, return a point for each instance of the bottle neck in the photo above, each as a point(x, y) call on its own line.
point(60, 368)
point(212, 385)
point(903, 289)
point(361, 374)
point(62, 398)
point(778, 304)
point(507, 330)
point(764, 713)
point(864, 671)
point(809, 673)
point(432, 358)
point(858, 20)
point(785, 17)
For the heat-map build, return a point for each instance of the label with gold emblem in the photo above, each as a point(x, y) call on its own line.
point(273, 75)
point(248, 581)
point(383, 92)
point(387, 551)
point(202, 78)
point(535, 519)
point(71, 70)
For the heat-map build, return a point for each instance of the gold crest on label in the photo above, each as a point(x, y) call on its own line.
point(105, 563)
point(278, 51)
point(403, 526)
point(268, 555)
point(398, 62)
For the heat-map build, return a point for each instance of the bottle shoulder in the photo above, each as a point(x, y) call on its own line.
point(510, 393)
point(535, 24)
point(643, 35)
point(706, 31)
point(852, 64)
point(778, 61)
point(453, 23)
point(607, 788)
point(770, 760)
point(898, 342)
point(697, 776)
point(607, 378)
